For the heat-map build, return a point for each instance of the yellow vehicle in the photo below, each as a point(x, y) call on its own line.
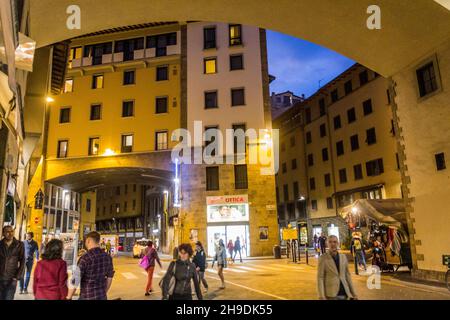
point(139, 247)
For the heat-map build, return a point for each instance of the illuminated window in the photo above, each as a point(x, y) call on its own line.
point(210, 65)
point(127, 143)
point(94, 146)
point(75, 53)
point(161, 140)
point(63, 145)
point(68, 85)
point(235, 34)
point(97, 81)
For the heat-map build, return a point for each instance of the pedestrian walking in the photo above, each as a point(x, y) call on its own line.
point(357, 249)
point(200, 264)
point(108, 247)
point(31, 249)
point(323, 243)
point(50, 274)
point(230, 247)
point(334, 281)
point(176, 283)
point(12, 263)
point(221, 258)
point(237, 249)
point(152, 256)
point(96, 271)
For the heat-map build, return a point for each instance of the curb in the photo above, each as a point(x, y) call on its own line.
point(421, 285)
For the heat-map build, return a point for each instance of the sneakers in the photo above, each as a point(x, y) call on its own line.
point(148, 293)
point(222, 286)
point(205, 291)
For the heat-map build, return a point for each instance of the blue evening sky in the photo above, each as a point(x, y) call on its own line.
point(299, 65)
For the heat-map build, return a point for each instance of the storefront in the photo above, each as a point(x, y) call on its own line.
point(228, 219)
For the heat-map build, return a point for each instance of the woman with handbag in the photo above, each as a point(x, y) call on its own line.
point(176, 283)
point(148, 263)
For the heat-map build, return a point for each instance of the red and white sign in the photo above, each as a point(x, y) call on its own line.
point(235, 199)
point(222, 209)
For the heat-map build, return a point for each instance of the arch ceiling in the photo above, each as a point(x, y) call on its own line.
point(409, 29)
point(83, 181)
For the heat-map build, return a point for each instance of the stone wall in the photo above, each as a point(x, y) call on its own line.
point(261, 193)
point(423, 132)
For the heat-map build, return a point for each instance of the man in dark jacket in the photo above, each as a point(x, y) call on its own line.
point(12, 263)
point(31, 248)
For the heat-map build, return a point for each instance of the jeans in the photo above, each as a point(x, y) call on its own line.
point(235, 254)
point(201, 277)
point(360, 258)
point(24, 281)
point(7, 289)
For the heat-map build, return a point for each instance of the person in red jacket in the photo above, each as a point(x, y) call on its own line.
point(50, 274)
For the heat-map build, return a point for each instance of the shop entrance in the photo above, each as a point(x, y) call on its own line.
point(227, 233)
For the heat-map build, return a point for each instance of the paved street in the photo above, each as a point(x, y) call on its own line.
point(263, 279)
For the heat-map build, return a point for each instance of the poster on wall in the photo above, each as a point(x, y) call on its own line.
point(70, 245)
point(193, 235)
point(263, 233)
point(227, 208)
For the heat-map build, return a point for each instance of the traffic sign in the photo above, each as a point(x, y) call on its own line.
point(446, 260)
point(36, 220)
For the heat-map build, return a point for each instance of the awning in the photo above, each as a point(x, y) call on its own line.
point(387, 211)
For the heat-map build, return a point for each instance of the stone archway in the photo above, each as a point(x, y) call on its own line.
point(338, 25)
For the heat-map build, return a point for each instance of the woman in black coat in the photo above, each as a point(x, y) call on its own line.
point(176, 284)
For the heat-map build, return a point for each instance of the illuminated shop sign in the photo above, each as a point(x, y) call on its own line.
point(227, 208)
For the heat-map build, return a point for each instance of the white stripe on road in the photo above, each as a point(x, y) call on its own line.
point(234, 270)
point(267, 268)
point(129, 275)
point(248, 268)
point(250, 289)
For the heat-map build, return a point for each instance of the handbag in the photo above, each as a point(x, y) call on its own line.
point(144, 262)
point(172, 280)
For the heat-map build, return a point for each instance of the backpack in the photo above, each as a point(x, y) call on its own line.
point(357, 244)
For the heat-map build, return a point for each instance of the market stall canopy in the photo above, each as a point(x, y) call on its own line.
point(388, 211)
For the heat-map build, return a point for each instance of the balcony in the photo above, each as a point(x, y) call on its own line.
point(120, 57)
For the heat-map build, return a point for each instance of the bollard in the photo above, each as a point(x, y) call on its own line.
point(307, 254)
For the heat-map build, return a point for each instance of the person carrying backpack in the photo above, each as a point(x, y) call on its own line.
point(357, 249)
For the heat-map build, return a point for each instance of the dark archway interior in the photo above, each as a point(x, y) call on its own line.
point(98, 178)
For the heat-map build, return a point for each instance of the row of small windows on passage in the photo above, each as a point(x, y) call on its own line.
point(127, 142)
point(128, 109)
point(129, 78)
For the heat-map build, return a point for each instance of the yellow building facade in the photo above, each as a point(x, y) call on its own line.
point(349, 151)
